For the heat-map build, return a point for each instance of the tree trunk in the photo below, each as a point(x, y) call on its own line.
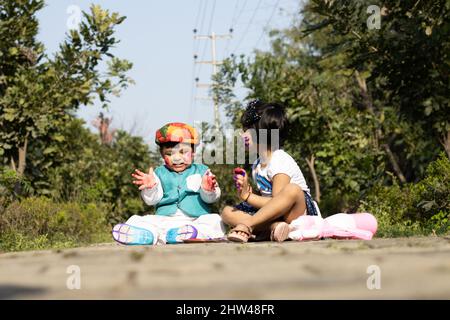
point(363, 87)
point(312, 169)
point(394, 163)
point(445, 141)
point(23, 157)
point(21, 166)
point(378, 132)
point(13, 164)
point(368, 103)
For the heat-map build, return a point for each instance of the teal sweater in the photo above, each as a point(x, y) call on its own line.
point(177, 194)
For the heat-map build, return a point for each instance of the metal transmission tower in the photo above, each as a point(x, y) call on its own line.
point(214, 62)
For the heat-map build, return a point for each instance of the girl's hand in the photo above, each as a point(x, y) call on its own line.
point(144, 180)
point(209, 182)
point(244, 188)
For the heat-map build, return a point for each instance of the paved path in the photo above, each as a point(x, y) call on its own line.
point(329, 269)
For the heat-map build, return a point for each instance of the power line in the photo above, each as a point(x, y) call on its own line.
point(213, 10)
point(248, 25)
point(198, 14)
point(201, 9)
point(191, 103)
point(214, 62)
point(240, 13)
point(234, 20)
point(208, 32)
point(205, 8)
point(268, 22)
point(235, 11)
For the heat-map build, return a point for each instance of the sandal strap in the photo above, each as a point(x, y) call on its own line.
point(242, 228)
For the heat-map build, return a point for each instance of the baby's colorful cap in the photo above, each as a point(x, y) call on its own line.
point(176, 132)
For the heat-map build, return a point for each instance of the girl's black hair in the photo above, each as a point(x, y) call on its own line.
point(261, 115)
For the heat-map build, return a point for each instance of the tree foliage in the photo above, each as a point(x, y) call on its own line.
point(38, 93)
point(407, 59)
point(365, 106)
point(44, 149)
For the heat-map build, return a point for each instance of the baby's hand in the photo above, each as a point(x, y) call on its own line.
point(143, 179)
point(209, 182)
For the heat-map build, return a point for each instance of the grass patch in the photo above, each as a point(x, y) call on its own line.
point(39, 223)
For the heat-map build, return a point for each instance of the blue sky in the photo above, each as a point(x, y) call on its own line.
point(157, 37)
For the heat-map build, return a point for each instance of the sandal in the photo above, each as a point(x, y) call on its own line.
point(178, 235)
point(131, 235)
point(279, 231)
point(240, 233)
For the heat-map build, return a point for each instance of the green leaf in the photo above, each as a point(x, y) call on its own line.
point(50, 150)
point(13, 51)
point(59, 137)
point(9, 116)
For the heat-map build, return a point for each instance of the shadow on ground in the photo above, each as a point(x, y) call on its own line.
point(8, 292)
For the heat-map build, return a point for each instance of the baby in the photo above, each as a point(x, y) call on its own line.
point(180, 190)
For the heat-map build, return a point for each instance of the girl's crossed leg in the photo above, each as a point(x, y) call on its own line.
point(286, 206)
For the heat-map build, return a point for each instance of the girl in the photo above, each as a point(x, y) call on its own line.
point(283, 193)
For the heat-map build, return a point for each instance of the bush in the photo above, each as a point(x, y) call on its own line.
point(420, 208)
point(12, 183)
point(77, 167)
point(39, 223)
point(102, 173)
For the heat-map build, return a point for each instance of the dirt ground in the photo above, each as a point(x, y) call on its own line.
point(401, 268)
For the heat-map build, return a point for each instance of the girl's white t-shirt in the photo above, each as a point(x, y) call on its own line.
point(280, 162)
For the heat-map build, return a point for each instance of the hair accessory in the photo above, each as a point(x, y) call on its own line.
point(251, 115)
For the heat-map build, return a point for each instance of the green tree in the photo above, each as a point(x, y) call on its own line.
point(38, 94)
point(407, 59)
